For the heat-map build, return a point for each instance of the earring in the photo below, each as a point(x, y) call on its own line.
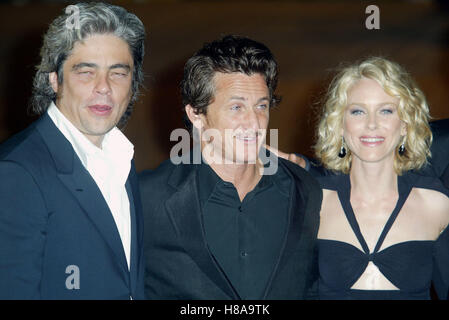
point(342, 152)
point(401, 149)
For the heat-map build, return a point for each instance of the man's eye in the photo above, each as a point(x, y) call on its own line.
point(85, 72)
point(235, 107)
point(262, 106)
point(119, 74)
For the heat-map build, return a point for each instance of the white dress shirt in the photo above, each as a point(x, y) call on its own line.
point(108, 166)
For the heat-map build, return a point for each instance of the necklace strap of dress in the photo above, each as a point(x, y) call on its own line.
point(404, 190)
point(344, 193)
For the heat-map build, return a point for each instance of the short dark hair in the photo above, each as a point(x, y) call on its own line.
point(59, 40)
point(229, 54)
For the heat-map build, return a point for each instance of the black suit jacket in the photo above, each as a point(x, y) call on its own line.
point(179, 264)
point(440, 150)
point(53, 215)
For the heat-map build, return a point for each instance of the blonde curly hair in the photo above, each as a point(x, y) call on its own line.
point(412, 110)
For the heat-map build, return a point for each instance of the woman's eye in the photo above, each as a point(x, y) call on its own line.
point(356, 112)
point(386, 111)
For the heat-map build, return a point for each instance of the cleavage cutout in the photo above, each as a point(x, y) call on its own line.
point(343, 191)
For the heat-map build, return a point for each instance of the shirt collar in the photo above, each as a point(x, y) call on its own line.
point(115, 146)
point(208, 180)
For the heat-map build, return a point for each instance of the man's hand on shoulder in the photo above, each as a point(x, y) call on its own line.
point(288, 156)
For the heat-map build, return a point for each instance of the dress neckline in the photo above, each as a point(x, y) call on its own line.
point(344, 193)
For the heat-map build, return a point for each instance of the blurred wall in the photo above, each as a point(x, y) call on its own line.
point(307, 38)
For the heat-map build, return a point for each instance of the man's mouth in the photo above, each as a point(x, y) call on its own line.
point(252, 138)
point(100, 109)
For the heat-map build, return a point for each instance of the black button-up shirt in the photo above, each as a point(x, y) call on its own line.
point(245, 237)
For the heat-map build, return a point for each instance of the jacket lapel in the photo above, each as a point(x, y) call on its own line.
point(184, 209)
point(78, 181)
point(136, 226)
point(89, 197)
point(292, 238)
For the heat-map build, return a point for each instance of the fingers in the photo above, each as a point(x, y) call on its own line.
point(298, 160)
point(277, 152)
point(287, 156)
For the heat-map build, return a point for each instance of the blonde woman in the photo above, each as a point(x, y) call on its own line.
point(382, 230)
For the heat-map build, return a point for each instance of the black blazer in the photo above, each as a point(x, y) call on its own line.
point(440, 150)
point(53, 215)
point(179, 264)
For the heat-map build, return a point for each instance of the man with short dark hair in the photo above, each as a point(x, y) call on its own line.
point(70, 212)
point(229, 227)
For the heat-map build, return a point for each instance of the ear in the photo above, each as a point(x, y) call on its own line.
point(53, 78)
point(195, 118)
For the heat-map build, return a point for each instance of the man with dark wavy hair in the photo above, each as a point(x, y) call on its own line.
point(228, 227)
point(70, 213)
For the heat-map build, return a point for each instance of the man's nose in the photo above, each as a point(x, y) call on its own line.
point(103, 86)
point(252, 119)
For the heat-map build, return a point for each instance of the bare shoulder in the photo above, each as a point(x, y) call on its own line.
point(329, 195)
point(330, 201)
point(434, 204)
point(333, 222)
point(432, 198)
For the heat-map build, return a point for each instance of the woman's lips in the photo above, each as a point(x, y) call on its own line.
point(100, 110)
point(372, 141)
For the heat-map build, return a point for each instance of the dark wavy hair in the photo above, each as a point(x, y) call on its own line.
point(59, 40)
point(227, 55)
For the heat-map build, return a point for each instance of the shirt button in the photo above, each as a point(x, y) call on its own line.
point(244, 254)
point(240, 208)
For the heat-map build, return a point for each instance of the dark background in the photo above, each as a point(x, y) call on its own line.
point(308, 38)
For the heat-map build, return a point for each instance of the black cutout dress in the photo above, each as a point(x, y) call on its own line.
point(409, 265)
